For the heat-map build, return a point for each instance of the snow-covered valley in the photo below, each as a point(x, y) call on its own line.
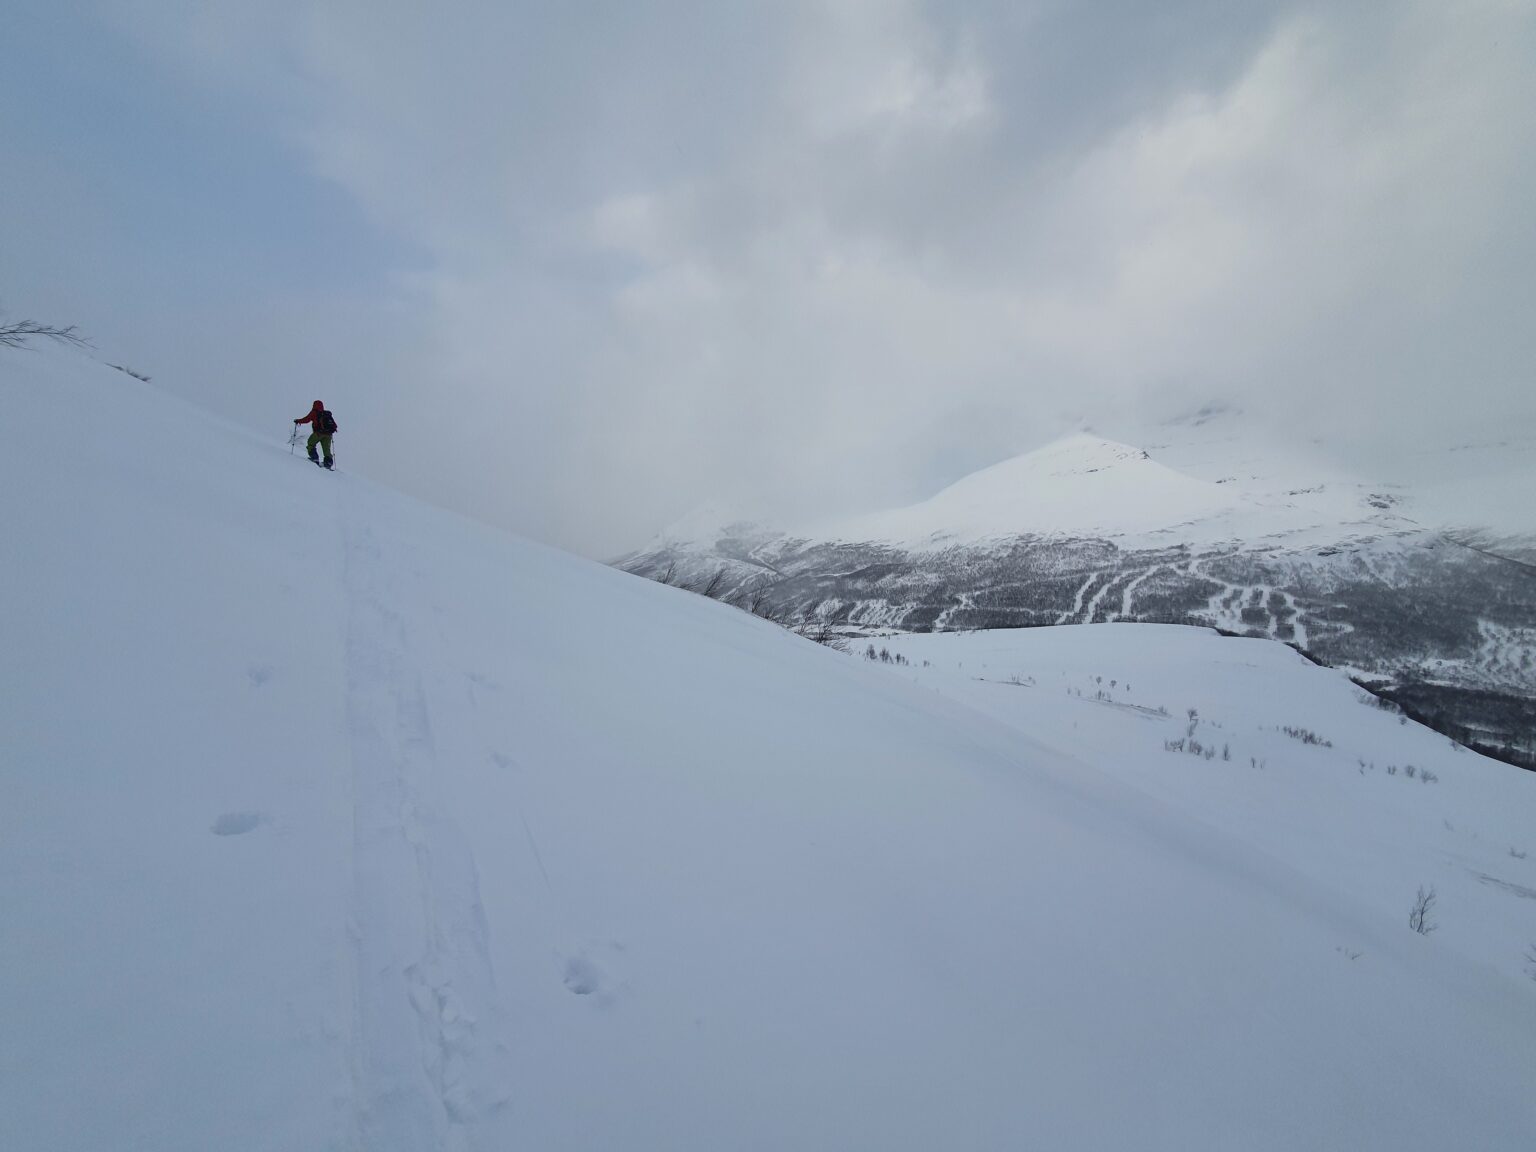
point(330, 820)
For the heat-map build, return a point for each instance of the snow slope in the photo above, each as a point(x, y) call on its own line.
point(332, 820)
point(1347, 812)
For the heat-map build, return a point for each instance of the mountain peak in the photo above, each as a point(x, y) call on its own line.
point(1079, 485)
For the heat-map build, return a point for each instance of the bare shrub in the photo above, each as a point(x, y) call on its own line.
point(16, 333)
point(755, 598)
point(712, 587)
point(1418, 917)
point(1306, 736)
point(820, 631)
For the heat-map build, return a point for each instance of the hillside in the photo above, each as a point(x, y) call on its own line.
point(335, 821)
point(1292, 759)
point(1424, 590)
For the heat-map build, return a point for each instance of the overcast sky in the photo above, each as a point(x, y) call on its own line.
point(577, 267)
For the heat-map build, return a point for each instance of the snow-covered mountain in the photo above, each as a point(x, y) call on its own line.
point(1086, 486)
point(329, 820)
point(1423, 588)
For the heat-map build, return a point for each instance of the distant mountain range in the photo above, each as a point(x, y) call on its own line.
point(1422, 585)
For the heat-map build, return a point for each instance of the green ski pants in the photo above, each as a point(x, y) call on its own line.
point(323, 441)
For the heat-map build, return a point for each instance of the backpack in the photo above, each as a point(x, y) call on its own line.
point(327, 424)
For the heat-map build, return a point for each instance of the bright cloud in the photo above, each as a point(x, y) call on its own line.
point(824, 254)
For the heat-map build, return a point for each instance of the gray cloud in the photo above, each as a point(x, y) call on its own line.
point(831, 254)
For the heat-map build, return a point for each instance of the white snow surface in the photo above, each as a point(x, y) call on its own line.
point(333, 821)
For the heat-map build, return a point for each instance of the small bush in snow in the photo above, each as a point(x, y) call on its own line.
point(821, 632)
point(1427, 776)
point(1306, 736)
point(1418, 917)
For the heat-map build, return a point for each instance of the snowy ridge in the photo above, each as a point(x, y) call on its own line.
point(1086, 487)
point(1216, 478)
point(1082, 484)
point(335, 821)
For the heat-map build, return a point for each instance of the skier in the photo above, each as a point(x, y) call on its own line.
point(324, 428)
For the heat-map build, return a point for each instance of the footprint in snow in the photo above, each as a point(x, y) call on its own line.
point(584, 976)
point(237, 823)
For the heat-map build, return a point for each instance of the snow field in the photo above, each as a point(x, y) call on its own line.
point(336, 821)
point(1349, 813)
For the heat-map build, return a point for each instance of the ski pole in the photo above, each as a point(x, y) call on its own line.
point(293, 439)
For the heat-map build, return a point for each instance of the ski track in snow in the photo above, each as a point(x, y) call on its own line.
point(1110, 580)
point(422, 1037)
point(963, 600)
point(1225, 608)
point(1081, 613)
point(1072, 613)
point(1127, 599)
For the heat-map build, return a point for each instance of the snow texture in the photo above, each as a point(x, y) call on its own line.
point(334, 821)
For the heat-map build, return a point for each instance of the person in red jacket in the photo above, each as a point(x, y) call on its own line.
point(323, 426)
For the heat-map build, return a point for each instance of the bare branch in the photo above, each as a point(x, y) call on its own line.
point(16, 334)
point(1418, 918)
point(711, 590)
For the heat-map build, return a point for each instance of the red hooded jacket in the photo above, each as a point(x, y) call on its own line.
point(313, 417)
